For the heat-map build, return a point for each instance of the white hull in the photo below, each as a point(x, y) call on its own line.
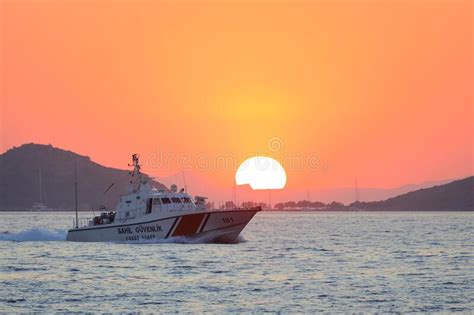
point(206, 226)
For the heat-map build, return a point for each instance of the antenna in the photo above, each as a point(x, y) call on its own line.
point(184, 181)
point(75, 192)
point(111, 185)
point(307, 192)
point(102, 200)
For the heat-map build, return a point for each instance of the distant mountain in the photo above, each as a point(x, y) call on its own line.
point(22, 168)
point(346, 195)
point(457, 195)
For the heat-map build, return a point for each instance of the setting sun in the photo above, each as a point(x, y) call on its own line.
point(261, 172)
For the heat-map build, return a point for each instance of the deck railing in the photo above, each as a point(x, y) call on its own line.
point(83, 222)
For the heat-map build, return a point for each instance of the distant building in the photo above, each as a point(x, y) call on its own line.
point(229, 205)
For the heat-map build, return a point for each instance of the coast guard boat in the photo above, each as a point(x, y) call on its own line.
point(148, 214)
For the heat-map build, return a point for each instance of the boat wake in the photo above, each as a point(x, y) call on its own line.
point(41, 234)
point(34, 234)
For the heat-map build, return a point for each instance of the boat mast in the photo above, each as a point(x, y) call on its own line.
point(75, 192)
point(136, 171)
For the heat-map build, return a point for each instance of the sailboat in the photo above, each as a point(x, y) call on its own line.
point(39, 205)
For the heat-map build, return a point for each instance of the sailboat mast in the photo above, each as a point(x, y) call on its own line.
point(356, 190)
point(75, 192)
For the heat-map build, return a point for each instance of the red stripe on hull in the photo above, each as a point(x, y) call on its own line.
point(189, 224)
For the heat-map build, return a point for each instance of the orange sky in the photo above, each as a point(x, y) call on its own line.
point(381, 90)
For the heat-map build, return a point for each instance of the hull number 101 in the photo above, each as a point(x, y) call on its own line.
point(227, 220)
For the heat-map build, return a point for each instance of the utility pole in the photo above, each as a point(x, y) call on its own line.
point(235, 195)
point(40, 186)
point(270, 199)
point(75, 192)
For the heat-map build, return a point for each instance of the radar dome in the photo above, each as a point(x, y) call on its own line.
point(174, 188)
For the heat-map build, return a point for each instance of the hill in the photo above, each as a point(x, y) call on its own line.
point(455, 196)
point(20, 169)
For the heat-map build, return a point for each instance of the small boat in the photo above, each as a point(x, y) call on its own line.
point(148, 214)
point(39, 206)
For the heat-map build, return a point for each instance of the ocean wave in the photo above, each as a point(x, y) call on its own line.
point(34, 234)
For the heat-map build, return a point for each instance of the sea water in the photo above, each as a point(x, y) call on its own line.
point(284, 262)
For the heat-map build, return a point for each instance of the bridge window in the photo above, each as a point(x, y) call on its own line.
point(186, 200)
point(149, 205)
point(165, 201)
point(156, 201)
point(176, 200)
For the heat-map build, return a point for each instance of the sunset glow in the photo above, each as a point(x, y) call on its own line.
point(379, 90)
